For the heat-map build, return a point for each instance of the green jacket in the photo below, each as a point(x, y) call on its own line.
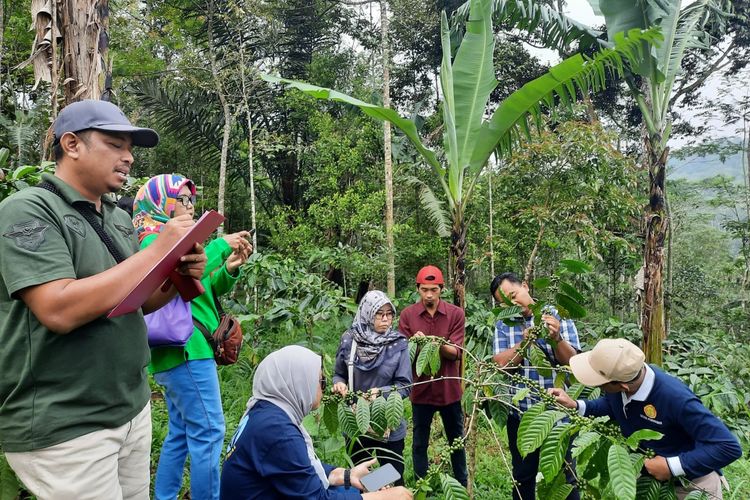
point(216, 280)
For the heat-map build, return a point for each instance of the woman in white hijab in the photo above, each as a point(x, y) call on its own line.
point(271, 455)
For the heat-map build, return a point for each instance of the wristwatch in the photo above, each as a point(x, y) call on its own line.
point(347, 478)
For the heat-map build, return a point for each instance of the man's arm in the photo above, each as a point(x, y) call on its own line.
point(506, 354)
point(561, 331)
point(715, 445)
point(65, 304)
point(455, 337)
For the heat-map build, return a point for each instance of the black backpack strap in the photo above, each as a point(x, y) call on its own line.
point(91, 219)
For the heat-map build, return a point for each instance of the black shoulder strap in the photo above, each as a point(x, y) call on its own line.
point(91, 219)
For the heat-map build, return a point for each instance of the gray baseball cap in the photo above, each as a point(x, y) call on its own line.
point(104, 116)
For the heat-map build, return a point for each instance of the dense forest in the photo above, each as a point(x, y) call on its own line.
point(615, 163)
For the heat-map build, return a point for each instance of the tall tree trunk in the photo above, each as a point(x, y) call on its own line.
point(657, 222)
point(250, 142)
point(83, 26)
point(458, 257)
point(530, 263)
point(387, 157)
point(490, 171)
point(225, 110)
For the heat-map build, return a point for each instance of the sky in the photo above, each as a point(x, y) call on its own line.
point(581, 11)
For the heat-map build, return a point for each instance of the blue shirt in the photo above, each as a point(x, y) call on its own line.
point(267, 459)
point(508, 336)
point(395, 370)
point(700, 441)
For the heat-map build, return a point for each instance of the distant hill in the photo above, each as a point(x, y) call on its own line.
point(695, 168)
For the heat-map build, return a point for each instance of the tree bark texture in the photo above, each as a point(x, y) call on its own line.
point(387, 156)
point(657, 223)
point(85, 41)
point(458, 258)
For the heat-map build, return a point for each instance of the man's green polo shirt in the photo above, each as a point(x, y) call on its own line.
point(54, 388)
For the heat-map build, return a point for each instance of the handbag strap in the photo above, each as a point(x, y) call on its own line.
point(91, 219)
point(350, 365)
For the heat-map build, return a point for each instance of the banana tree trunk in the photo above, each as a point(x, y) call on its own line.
point(458, 259)
point(657, 224)
point(84, 26)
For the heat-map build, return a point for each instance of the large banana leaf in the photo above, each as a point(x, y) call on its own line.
point(473, 81)
point(557, 87)
point(406, 126)
point(556, 30)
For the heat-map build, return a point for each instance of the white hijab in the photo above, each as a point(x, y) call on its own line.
point(289, 378)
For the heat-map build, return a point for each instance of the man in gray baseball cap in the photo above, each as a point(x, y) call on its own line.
point(103, 116)
point(695, 444)
point(75, 418)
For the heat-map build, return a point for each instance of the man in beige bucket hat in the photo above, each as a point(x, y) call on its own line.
point(695, 444)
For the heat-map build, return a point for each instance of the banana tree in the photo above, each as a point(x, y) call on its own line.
point(682, 27)
point(468, 139)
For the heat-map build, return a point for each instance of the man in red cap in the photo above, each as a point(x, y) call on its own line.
point(432, 316)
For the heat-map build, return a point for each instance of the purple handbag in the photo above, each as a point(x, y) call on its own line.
point(172, 325)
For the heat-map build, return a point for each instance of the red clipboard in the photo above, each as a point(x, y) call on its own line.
point(188, 288)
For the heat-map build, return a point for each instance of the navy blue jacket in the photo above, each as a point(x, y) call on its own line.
point(691, 432)
point(268, 460)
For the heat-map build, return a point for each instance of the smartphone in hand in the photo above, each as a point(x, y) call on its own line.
point(380, 477)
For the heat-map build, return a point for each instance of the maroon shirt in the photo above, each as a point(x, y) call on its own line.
point(447, 323)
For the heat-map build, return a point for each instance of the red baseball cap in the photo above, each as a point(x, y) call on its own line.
point(430, 275)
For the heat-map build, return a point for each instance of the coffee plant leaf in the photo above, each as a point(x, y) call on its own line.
point(622, 475)
point(521, 395)
point(667, 492)
point(696, 495)
point(527, 418)
point(575, 390)
point(423, 359)
point(540, 284)
point(498, 412)
point(584, 441)
point(539, 361)
point(435, 359)
point(347, 420)
point(552, 453)
point(568, 307)
point(575, 266)
point(509, 313)
point(642, 435)
point(363, 415)
point(647, 488)
point(394, 409)
point(330, 417)
point(537, 431)
point(412, 351)
point(558, 489)
point(571, 292)
point(452, 489)
point(378, 419)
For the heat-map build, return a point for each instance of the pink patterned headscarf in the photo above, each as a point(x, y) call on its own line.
point(155, 202)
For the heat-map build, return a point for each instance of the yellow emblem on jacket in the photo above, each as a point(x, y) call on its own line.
point(649, 411)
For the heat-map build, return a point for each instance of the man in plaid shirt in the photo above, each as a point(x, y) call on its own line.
point(507, 354)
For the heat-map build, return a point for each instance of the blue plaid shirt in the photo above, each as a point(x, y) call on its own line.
point(507, 336)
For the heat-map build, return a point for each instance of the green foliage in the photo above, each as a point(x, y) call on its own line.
point(20, 177)
point(452, 489)
point(9, 484)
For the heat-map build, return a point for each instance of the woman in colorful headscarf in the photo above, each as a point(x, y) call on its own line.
point(271, 455)
point(188, 374)
point(374, 357)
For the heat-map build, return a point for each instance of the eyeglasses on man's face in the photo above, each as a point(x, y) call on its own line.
point(186, 199)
